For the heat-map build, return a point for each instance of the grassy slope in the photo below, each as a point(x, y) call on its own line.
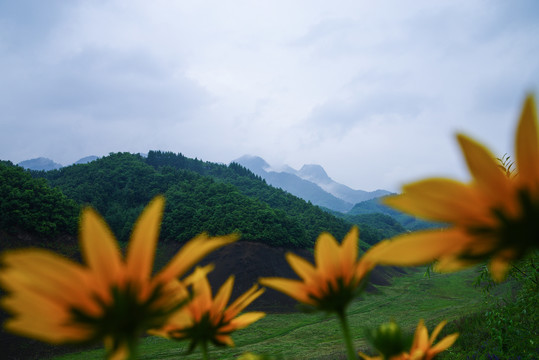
point(315, 336)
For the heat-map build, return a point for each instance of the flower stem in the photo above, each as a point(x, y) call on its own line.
point(133, 349)
point(347, 336)
point(204, 347)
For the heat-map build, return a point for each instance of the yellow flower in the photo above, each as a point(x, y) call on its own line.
point(205, 319)
point(56, 300)
point(333, 283)
point(494, 217)
point(422, 347)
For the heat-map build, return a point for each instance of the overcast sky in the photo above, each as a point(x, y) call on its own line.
point(374, 91)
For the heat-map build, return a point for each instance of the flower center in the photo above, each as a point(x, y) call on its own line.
point(518, 233)
point(125, 318)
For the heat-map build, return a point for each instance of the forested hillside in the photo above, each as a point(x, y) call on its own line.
point(31, 205)
point(41, 208)
point(201, 196)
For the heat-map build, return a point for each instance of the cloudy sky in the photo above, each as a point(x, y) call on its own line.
point(372, 91)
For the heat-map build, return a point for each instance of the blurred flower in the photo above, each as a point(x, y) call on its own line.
point(335, 280)
point(388, 340)
point(422, 346)
point(330, 286)
point(494, 217)
point(205, 319)
point(56, 300)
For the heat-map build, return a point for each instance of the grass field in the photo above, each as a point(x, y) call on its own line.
point(318, 337)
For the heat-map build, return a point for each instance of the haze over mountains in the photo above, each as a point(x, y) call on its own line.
point(310, 183)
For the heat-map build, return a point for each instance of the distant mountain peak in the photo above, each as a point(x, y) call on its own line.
point(254, 160)
point(256, 164)
point(39, 163)
point(311, 183)
point(314, 173)
point(87, 159)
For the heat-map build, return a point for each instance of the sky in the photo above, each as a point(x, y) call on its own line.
point(374, 91)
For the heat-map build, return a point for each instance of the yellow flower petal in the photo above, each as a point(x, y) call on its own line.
point(37, 307)
point(500, 263)
point(436, 331)
point(191, 253)
point(244, 320)
point(99, 249)
point(419, 248)
point(224, 339)
point(453, 263)
point(47, 332)
point(292, 288)
point(52, 275)
point(485, 169)
point(421, 338)
point(302, 267)
point(222, 297)
point(243, 301)
point(443, 344)
point(363, 267)
point(326, 254)
point(348, 253)
point(203, 297)
point(527, 146)
point(439, 199)
point(141, 249)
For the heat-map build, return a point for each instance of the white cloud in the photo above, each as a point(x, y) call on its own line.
point(374, 92)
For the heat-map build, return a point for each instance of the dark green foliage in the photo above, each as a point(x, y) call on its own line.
point(376, 227)
point(297, 213)
point(507, 329)
point(206, 205)
point(117, 186)
point(32, 205)
point(201, 196)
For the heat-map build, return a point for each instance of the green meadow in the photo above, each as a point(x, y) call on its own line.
point(317, 336)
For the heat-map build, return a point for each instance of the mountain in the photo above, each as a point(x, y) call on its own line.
point(39, 163)
point(310, 183)
point(42, 163)
point(294, 184)
point(86, 160)
point(41, 209)
point(201, 196)
point(317, 174)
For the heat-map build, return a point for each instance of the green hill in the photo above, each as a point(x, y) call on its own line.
point(31, 205)
point(201, 196)
point(410, 223)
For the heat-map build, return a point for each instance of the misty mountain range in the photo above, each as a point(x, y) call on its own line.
point(310, 183)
